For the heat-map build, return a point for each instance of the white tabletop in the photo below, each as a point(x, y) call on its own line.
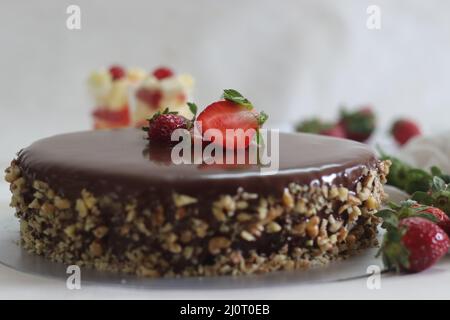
point(431, 284)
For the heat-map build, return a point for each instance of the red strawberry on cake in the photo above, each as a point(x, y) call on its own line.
point(235, 115)
point(163, 124)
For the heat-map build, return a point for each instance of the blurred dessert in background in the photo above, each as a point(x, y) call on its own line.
point(159, 90)
point(111, 89)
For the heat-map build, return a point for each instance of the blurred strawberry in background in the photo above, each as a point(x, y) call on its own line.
point(404, 130)
point(358, 125)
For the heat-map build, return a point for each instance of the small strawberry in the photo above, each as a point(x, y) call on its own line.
point(411, 208)
point(358, 125)
point(411, 243)
point(438, 194)
point(443, 220)
point(162, 73)
point(234, 112)
point(117, 72)
point(163, 124)
point(425, 241)
point(403, 130)
point(318, 127)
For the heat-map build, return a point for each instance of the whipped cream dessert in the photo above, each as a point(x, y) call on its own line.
point(160, 90)
point(110, 90)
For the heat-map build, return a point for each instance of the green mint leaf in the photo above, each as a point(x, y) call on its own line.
point(236, 97)
point(422, 197)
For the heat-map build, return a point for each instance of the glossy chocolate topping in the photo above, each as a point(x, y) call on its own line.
point(121, 162)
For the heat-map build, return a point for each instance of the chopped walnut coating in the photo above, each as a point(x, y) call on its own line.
point(306, 226)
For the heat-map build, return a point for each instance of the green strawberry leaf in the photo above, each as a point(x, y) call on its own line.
point(157, 114)
point(390, 218)
point(435, 171)
point(395, 255)
point(262, 118)
point(417, 180)
point(445, 177)
point(438, 184)
point(410, 179)
point(394, 206)
point(422, 197)
point(427, 216)
point(442, 201)
point(193, 108)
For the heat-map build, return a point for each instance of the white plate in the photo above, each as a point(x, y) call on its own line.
point(13, 256)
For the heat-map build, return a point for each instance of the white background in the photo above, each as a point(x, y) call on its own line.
point(290, 58)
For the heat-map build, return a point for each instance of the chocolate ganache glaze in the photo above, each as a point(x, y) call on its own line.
point(121, 162)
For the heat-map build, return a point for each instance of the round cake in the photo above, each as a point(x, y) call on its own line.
point(110, 200)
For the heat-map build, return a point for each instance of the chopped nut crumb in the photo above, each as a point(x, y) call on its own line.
point(216, 244)
point(288, 200)
point(273, 227)
point(247, 236)
point(182, 200)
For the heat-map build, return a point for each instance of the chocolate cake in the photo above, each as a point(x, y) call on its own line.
point(109, 200)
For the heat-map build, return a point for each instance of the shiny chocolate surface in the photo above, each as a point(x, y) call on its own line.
point(123, 162)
